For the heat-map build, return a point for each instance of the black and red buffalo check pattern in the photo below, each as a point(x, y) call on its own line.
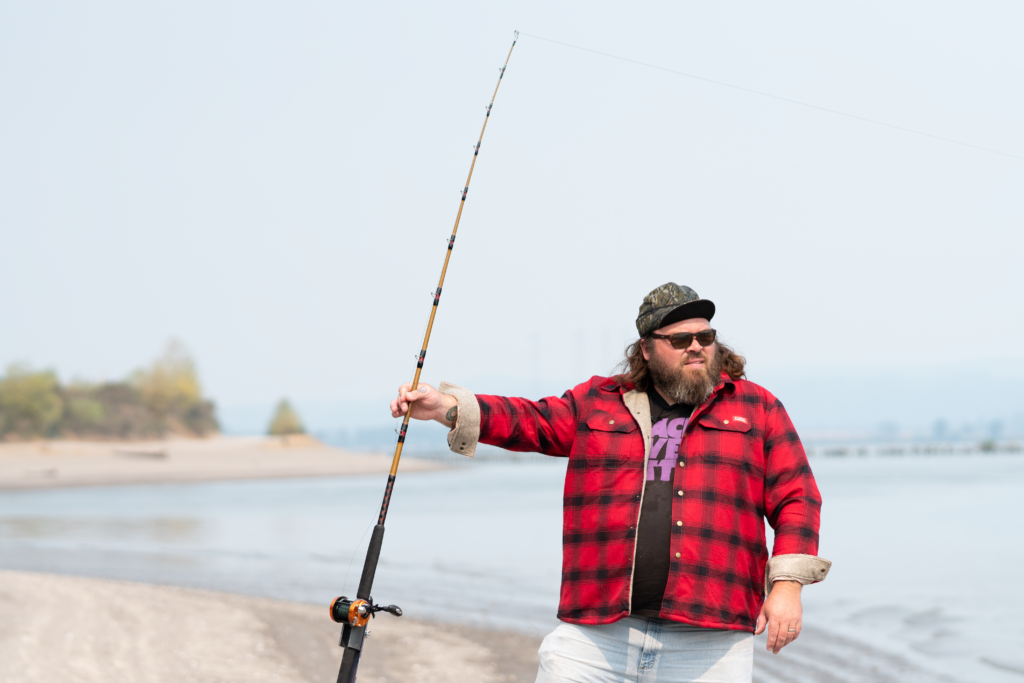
point(741, 462)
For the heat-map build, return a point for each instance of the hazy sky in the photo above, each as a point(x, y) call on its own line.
point(274, 183)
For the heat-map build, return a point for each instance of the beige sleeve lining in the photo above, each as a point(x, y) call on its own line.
point(803, 569)
point(463, 437)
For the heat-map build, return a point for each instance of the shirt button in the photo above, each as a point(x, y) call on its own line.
point(679, 523)
point(725, 422)
point(611, 422)
point(679, 492)
point(679, 555)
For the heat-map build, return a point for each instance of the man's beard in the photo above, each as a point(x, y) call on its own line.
point(686, 386)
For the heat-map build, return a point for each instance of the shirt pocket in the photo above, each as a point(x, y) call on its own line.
point(611, 423)
point(608, 439)
point(729, 441)
point(605, 475)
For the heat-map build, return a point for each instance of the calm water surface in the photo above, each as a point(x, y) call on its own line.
point(928, 550)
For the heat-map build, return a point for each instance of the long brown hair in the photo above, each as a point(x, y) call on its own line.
point(636, 374)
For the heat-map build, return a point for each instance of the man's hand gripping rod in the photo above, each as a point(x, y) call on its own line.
point(355, 613)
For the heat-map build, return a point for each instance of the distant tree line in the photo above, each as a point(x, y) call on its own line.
point(164, 398)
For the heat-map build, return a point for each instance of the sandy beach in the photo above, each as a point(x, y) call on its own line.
point(85, 630)
point(65, 628)
point(61, 628)
point(45, 464)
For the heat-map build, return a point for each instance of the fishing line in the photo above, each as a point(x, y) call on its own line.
point(777, 97)
point(354, 553)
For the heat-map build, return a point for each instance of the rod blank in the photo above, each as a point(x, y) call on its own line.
point(352, 635)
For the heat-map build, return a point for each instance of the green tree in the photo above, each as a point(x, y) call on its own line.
point(30, 402)
point(285, 421)
point(86, 411)
point(170, 386)
point(171, 392)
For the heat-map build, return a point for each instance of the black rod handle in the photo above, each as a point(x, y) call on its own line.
point(370, 566)
point(349, 664)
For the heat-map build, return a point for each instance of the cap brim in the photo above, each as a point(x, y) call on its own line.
point(702, 308)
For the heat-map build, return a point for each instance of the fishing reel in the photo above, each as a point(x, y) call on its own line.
point(354, 614)
point(358, 612)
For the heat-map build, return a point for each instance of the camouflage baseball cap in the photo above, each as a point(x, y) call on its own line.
point(669, 304)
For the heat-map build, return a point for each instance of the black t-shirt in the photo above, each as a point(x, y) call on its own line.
point(653, 539)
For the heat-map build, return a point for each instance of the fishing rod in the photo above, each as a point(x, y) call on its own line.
point(354, 614)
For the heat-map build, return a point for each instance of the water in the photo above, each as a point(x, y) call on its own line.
point(927, 550)
point(928, 556)
point(474, 544)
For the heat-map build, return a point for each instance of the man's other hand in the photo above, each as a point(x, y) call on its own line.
point(782, 613)
point(427, 404)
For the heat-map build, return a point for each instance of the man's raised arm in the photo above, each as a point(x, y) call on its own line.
point(547, 426)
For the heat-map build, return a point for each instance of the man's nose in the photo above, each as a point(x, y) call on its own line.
point(694, 347)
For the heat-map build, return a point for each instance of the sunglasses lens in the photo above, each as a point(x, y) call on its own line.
point(706, 337)
point(681, 340)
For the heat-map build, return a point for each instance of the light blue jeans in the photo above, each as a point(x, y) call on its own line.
point(639, 650)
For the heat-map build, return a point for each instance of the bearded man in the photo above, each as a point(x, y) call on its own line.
point(673, 467)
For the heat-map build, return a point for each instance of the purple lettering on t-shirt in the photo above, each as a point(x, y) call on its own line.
point(666, 435)
point(657, 446)
point(675, 427)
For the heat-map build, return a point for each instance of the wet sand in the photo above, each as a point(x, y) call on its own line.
point(62, 628)
point(46, 464)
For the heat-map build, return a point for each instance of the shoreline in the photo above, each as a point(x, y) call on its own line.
point(60, 464)
point(61, 627)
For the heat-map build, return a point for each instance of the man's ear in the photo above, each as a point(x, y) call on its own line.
point(643, 349)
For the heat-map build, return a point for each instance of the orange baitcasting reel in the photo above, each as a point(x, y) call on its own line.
point(354, 614)
point(357, 612)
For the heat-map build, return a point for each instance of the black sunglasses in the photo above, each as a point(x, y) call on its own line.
point(683, 340)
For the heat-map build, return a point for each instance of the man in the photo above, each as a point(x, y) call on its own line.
point(673, 467)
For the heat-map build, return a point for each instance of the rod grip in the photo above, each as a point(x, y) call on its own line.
point(349, 664)
point(370, 566)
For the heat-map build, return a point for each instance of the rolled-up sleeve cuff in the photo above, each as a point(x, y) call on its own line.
point(463, 437)
point(803, 569)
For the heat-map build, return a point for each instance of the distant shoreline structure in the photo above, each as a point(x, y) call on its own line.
point(493, 455)
point(912, 448)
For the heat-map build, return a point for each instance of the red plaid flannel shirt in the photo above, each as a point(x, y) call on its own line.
point(741, 461)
